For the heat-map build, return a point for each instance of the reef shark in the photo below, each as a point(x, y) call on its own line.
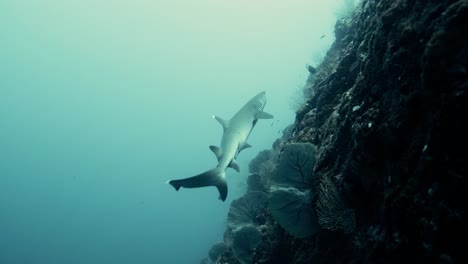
point(235, 133)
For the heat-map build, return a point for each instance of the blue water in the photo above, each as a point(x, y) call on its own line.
point(102, 102)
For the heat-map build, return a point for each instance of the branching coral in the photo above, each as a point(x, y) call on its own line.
point(331, 211)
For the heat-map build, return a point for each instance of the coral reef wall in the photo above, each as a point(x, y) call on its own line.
point(387, 111)
point(388, 115)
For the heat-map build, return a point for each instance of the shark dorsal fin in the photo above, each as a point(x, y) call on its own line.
point(223, 122)
point(217, 151)
point(263, 115)
point(234, 165)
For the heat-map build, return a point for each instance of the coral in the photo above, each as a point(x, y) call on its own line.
point(216, 250)
point(244, 210)
point(261, 157)
point(331, 211)
point(291, 190)
point(244, 242)
point(263, 163)
point(293, 211)
point(294, 166)
point(243, 227)
point(255, 183)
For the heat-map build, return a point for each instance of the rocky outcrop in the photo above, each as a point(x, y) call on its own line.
point(387, 112)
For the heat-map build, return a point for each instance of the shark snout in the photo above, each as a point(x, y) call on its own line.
point(259, 101)
point(262, 98)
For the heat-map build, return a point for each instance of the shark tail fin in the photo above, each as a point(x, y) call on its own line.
point(214, 177)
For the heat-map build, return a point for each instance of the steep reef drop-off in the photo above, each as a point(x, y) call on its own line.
point(387, 111)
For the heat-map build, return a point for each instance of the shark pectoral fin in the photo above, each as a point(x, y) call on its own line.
point(244, 146)
point(217, 151)
point(234, 165)
point(222, 189)
point(263, 115)
point(223, 122)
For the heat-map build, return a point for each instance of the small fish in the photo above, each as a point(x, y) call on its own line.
point(311, 69)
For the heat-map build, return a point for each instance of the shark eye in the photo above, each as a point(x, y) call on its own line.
point(258, 105)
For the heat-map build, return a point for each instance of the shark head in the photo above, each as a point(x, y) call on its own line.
point(259, 101)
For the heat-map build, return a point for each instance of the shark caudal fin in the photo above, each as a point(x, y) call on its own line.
point(212, 177)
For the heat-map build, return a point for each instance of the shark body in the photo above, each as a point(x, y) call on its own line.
point(235, 133)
